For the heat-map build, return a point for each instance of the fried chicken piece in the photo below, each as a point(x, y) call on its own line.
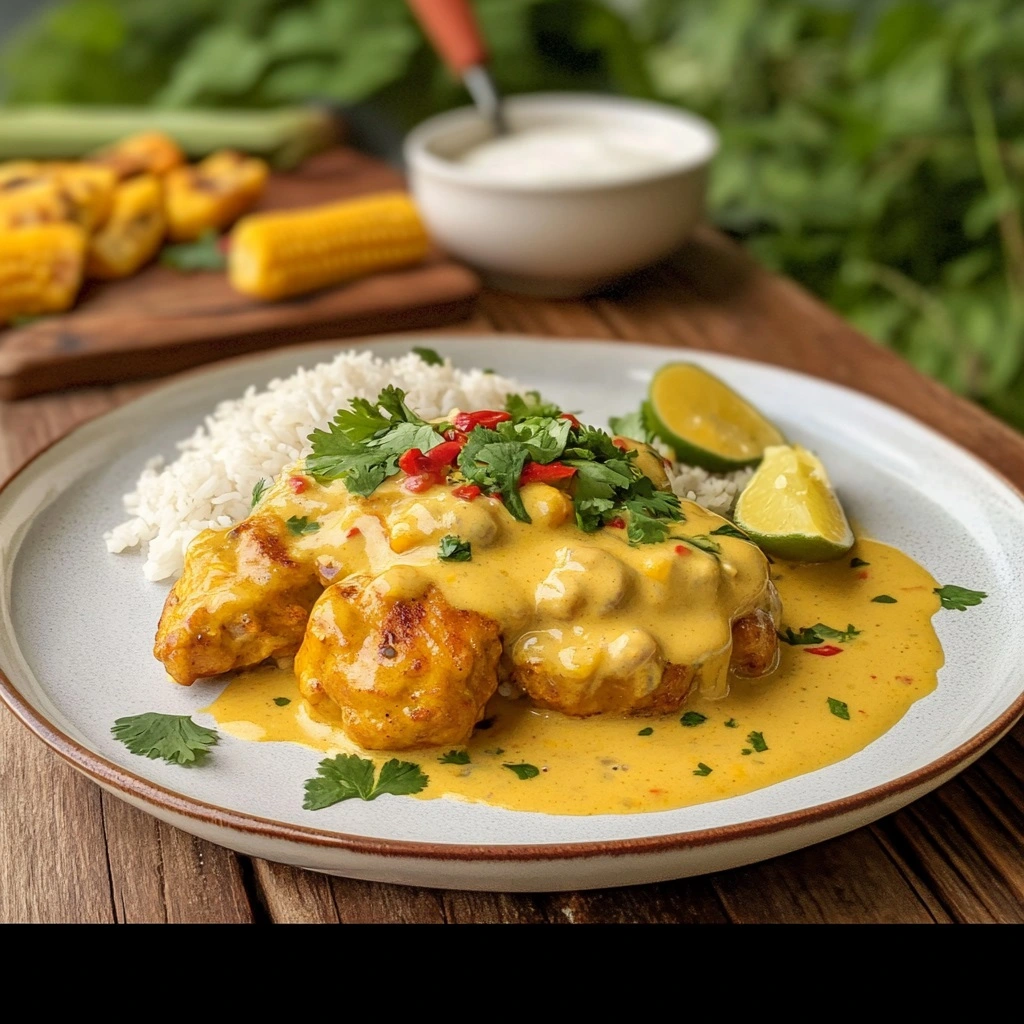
point(755, 645)
point(241, 599)
point(405, 667)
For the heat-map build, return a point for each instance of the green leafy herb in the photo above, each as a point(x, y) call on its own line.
point(704, 543)
point(959, 599)
point(428, 355)
point(528, 405)
point(838, 708)
point(728, 530)
point(455, 757)
point(362, 444)
point(745, 751)
point(644, 529)
point(204, 253)
point(347, 776)
point(692, 718)
point(451, 549)
point(883, 599)
point(258, 490)
point(645, 732)
point(523, 771)
point(496, 752)
point(818, 634)
point(174, 738)
point(856, 563)
point(282, 701)
point(702, 769)
point(731, 723)
point(756, 740)
point(300, 525)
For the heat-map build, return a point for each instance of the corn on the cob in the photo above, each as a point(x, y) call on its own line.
point(146, 153)
point(40, 193)
point(88, 188)
point(40, 269)
point(133, 232)
point(24, 203)
point(212, 194)
point(274, 255)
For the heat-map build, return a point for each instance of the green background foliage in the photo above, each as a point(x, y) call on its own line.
point(872, 149)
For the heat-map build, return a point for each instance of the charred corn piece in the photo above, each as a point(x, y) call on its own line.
point(146, 153)
point(89, 189)
point(28, 201)
point(274, 255)
point(15, 173)
point(134, 231)
point(40, 269)
point(213, 194)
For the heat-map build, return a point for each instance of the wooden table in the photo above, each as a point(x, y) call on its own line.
point(69, 852)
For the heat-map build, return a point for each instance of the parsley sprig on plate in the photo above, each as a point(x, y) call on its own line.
point(536, 441)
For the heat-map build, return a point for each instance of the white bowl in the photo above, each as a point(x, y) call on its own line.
point(566, 238)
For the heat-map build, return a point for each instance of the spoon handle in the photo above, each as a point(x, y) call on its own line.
point(451, 27)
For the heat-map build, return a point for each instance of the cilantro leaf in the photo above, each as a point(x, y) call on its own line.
point(644, 529)
point(959, 599)
point(841, 636)
point(495, 465)
point(645, 732)
point(886, 599)
point(544, 439)
point(731, 723)
point(856, 563)
point(838, 708)
point(282, 701)
point(704, 543)
point(258, 490)
point(703, 769)
point(728, 530)
point(455, 757)
point(174, 738)
point(204, 253)
point(523, 771)
point(521, 407)
point(692, 718)
point(428, 355)
point(756, 740)
point(298, 526)
point(451, 549)
point(806, 636)
point(347, 776)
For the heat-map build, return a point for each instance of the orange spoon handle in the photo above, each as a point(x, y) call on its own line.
point(451, 27)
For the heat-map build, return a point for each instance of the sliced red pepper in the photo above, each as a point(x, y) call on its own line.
point(825, 652)
point(298, 483)
point(417, 482)
point(354, 532)
point(456, 435)
point(572, 419)
point(467, 492)
point(413, 461)
point(443, 455)
point(682, 549)
point(620, 444)
point(617, 523)
point(538, 472)
point(425, 470)
point(486, 418)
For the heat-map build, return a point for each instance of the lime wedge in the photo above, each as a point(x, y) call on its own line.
point(705, 421)
point(790, 509)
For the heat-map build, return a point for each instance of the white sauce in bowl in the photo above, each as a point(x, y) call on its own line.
point(572, 154)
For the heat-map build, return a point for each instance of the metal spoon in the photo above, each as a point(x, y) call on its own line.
point(451, 27)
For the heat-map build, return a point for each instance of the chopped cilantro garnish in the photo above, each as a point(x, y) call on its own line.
point(959, 599)
point(523, 771)
point(856, 563)
point(429, 356)
point(282, 701)
point(451, 549)
point(731, 723)
point(702, 769)
point(692, 718)
point(204, 253)
point(645, 732)
point(455, 757)
point(300, 525)
point(818, 634)
point(174, 738)
point(348, 776)
point(728, 530)
point(704, 543)
point(745, 751)
point(838, 708)
point(756, 740)
point(522, 407)
point(883, 599)
point(258, 490)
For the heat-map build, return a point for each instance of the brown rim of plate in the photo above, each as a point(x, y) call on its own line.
point(105, 772)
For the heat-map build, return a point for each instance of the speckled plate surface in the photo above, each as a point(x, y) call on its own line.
point(76, 629)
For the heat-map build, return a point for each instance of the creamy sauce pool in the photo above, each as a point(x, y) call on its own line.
point(608, 765)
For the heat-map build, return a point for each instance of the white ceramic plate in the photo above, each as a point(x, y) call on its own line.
point(76, 629)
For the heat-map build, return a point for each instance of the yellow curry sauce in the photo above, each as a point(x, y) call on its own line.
point(764, 731)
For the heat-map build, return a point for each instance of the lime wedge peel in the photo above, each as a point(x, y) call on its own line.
point(790, 509)
point(705, 421)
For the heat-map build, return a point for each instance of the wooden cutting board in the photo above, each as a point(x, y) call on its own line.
point(162, 320)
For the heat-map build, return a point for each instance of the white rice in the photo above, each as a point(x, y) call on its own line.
point(256, 436)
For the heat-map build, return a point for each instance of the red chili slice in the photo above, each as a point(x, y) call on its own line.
point(298, 483)
point(537, 472)
point(443, 455)
point(418, 482)
point(486, 418)
point(413, 462)
point(682, 549)
point(824, 652)
point(618, 523)
point(354, 532)
point(572, 419)
point(467, 492)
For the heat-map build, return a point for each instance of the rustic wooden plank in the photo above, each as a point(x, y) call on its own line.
point(135, 862)
point(293, 896)
point(359, 902)
point(688, 901)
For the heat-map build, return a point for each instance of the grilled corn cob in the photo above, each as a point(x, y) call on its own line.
point(89, 190)
point(274, 255)
point(134, 231)
point(146, 153)
point(37, 193)
point(28, 201)
point(40, 269)
point(212, 194)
